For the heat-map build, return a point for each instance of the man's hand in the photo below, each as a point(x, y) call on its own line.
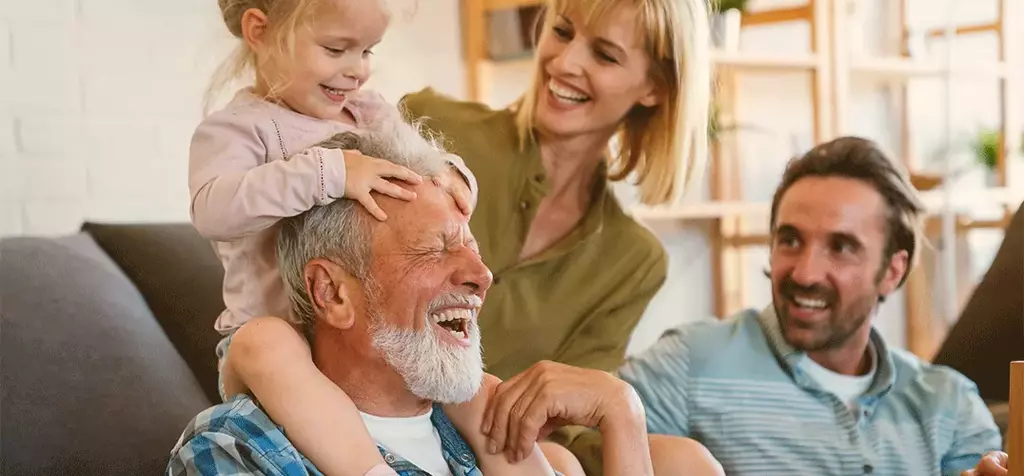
point(548, 395)
point(992, 464)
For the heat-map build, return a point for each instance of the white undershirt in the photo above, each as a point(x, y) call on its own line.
point(848, 388)
point(413, 438)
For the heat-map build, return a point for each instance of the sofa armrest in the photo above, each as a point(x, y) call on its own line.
point(1001, 414)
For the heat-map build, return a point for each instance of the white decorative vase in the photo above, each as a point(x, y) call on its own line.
point(725, 30)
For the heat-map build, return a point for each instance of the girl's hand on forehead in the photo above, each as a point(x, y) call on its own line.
point(453, 183)
point(365, 174)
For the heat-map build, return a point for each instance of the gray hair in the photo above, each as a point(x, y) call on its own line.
point(339, 231)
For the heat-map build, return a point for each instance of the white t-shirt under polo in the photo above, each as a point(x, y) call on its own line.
point(848, 388)
point(413, 438)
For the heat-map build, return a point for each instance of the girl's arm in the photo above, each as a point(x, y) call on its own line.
point(468, 417)
point(273, 360)
point(236, 192)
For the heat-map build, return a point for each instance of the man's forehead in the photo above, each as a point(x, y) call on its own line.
point(832, 205)
point(433, 212)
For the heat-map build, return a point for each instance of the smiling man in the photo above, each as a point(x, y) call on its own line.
point(389, 308)
point(807, 386)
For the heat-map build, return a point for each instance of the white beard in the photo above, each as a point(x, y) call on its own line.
point(432, 370)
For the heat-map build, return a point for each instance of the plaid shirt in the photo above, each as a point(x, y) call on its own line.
point(238, 438)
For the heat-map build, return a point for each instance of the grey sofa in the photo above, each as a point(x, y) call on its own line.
point(107, 348)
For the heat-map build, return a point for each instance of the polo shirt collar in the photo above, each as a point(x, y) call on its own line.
point(790, 358)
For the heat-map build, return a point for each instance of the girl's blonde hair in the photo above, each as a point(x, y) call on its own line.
point(666, 146)
point(284, 18)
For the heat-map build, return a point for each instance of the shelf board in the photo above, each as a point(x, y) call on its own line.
point(492, 5)
point(703, 210)
point(778, 15)
point(710, 210)
point(965, 30)
point(905, 67)
point(760, 61)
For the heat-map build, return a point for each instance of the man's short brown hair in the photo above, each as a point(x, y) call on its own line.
point(861, 159)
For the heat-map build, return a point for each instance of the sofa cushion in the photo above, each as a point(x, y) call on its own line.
point(993, 320)
point(90, 383)
point(180, 278)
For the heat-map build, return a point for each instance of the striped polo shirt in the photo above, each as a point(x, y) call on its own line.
point(737, 387)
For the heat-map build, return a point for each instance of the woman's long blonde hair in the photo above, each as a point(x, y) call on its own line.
point(666, 146)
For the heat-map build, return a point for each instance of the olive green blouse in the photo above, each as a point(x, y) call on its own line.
point(575, 303)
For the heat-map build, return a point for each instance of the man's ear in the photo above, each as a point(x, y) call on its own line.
point(897, 267)
point(330, 293)
point(254, 27)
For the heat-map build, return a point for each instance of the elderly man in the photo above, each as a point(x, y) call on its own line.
point(807, 386)
point(389, 308)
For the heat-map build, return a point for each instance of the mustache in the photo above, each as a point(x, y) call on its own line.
point(790, 288)
point(455, 300)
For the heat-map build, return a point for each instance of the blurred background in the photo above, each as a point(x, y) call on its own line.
point(100, 98)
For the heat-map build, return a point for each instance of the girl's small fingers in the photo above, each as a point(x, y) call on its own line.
point(389, 169)
point(371, 206)
point(462, 201)
point(393, 190)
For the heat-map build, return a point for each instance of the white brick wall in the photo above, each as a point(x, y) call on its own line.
point(99, 99)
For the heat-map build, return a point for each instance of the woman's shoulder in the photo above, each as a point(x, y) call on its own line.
point(429, 102)
point(632, 237)
point(469, 129)
point(447, 114)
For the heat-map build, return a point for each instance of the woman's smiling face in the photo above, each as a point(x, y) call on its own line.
point(591, 75)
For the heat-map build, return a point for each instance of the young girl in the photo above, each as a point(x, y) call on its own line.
point(254, 162)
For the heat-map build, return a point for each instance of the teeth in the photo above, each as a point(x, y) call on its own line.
point(334, 91)
point(566, 94)
point(811, 303)
point(452, 314)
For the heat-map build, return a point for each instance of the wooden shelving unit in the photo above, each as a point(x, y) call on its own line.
point(832, 67)
point(925, 325)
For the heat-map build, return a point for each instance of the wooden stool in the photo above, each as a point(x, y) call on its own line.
point(1015, 439)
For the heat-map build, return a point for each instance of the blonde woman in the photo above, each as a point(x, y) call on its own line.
point(573, 272)
point(620, 90)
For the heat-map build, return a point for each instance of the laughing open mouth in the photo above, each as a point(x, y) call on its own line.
point(567, 95)
point(454, 320)
point(810, 303)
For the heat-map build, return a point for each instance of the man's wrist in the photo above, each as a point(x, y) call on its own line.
point(623, 428)
point(624, 412)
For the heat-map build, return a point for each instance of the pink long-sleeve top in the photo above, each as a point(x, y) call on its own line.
point(252, 164)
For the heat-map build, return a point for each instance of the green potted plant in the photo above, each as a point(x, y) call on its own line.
point(986, 148)
point(986, 151)
point(724, 5)
point(725, 22)
point(716, 128)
